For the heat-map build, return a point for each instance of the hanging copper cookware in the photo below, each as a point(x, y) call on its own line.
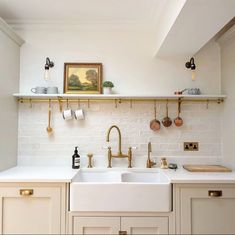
point(155, 125)
point(166, 122)
point(179, 121)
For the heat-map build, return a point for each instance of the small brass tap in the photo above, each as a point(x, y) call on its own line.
point(164, 164)
point(149, 163)
point(119, 154)
point(90, 156)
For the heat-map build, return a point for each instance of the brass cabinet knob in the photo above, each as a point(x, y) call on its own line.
point(215, 193)
point(122, 232)
point(26, 192)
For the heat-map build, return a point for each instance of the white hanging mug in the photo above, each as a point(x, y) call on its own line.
point(68, 113)
point(79, 113)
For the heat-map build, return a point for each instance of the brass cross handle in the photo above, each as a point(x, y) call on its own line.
point(89, 160)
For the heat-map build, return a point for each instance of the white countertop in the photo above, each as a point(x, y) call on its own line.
point(38, 174)
point(66, 174)
point(183, 176)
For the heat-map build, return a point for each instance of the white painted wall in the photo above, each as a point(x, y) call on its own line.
point(9, 84)
point(227, 43)
point(36, 147)
point(127, 57)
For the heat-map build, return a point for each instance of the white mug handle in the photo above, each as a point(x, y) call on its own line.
point(33, 90)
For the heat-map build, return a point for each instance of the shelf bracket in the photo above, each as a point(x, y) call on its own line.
point(60, 104)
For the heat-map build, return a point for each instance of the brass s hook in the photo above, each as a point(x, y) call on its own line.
point(207, 104)
point(131, 104)
point(60, 104)
point(88, 103)
point(30, 103)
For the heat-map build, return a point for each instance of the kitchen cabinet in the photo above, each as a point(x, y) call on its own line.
point(205, 209)
point(119, 225)
point(145, 225)
point(96, 225)
point(32, 209)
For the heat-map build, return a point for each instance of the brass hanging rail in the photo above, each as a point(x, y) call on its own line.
point(116, 98)
point(119, 100)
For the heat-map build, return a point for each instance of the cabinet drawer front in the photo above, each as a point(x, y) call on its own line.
point(145, 225)
point(30, 210)
point(209, 192)
point(96, 225)
point(207, 210)
point(36, 191)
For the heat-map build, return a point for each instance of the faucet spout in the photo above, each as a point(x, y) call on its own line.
point(149, 163)
point(119, 138)
point(119, 154)
point(149, 149)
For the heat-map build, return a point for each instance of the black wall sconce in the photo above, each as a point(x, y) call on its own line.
point(49, 64)
point(191, 65)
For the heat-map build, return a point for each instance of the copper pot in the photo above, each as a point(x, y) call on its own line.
point(166, 122)
point(155, 124)
point(178, 120)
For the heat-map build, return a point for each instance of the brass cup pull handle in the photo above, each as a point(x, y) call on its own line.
point(215, 193)
point(26, 192)
point(122, 232)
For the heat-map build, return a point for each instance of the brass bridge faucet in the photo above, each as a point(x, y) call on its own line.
point(149, 163)
point(119, 154)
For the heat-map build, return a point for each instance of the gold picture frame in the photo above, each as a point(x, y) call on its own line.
point(82, 78)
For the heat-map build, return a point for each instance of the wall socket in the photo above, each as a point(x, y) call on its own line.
point(191, 146)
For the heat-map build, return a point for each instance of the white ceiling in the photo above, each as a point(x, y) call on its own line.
point(198, 22)
point(181, 27)
point(97, 11)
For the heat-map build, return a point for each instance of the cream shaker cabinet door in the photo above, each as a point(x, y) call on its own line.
point(30, 210)
point(145, 225)
point(209, 210)
point(95, 225)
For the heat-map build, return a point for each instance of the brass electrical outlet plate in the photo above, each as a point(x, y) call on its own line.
point(191, 146)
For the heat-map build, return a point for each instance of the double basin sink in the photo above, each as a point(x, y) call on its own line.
point(120, 191)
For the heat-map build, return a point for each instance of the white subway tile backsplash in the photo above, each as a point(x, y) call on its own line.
point(200, 124)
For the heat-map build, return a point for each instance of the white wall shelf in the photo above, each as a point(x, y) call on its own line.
point(117, 97)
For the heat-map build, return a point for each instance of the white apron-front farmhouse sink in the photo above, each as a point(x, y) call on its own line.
point(110, 190)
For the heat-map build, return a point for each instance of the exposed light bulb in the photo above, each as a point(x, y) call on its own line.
point(49, 64)
point(46, 75)
point(193, 75)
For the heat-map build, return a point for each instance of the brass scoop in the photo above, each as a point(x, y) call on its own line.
point(49, 128)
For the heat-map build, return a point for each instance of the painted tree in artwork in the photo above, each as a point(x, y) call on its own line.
point(74, 81)
point(92, 76)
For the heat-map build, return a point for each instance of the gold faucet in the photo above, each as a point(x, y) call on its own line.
point(119, 154)
point(149, 163)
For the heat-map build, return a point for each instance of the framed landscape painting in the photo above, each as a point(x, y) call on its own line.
point(83, 78)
